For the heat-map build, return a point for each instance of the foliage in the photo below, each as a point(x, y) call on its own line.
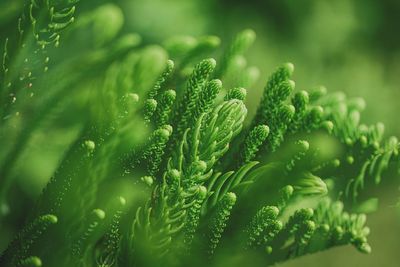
point(162, 165)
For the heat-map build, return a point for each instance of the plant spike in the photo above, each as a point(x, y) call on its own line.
point(302, 147)
point(80, 246)
point(108, 254)
point(155, 92)
point(164, 108)
point(279, 126)
point(302, 238)
point(286, 193)
point(150, 107)
point(276, 90)
point(152, 155)
point(236, 93)
point(252, 143)
point(206, 98)
point(219, 220)
point(194, 85)
point(193, 218)
point(19, 248)
point(300, 101)
point(264, 218)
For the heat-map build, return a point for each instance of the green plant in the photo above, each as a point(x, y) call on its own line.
point(161, 165)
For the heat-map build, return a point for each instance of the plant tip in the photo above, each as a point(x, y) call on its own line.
point(100, 214)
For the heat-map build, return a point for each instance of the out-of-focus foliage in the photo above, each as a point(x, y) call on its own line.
point(154, 160)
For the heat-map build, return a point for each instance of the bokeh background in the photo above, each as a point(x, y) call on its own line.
point(349, 46)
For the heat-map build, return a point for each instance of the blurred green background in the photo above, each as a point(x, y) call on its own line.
point(350, 46)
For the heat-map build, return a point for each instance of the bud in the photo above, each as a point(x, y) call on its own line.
point(148, 180)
